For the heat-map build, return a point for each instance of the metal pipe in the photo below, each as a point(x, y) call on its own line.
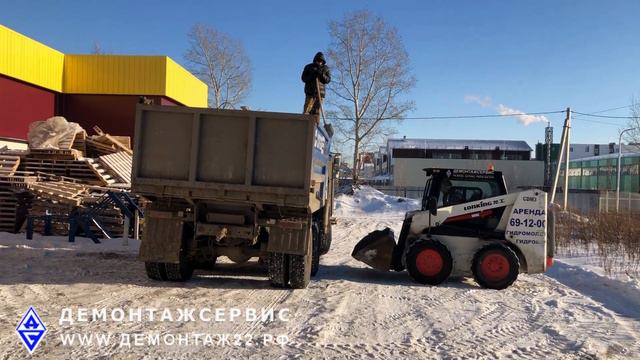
point(619, 173)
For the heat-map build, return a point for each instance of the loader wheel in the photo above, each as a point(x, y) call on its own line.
point(315, 251)
point(495, 266)
point(278, 269)
point(299, 271)
point(181, 271)
point(429, 262)
point(156, 271)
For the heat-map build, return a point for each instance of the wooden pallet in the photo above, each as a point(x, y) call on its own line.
point(77, 169)
point(112, 220)
point(80, 143)
point(96, 148)
point(108, 139)
point(60, 191)
point(119, 164)
point(101, 173)
point(9, 164)
point(54, 154)
point(8, 207)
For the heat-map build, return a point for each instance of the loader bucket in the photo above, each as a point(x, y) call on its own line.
point(376, 249)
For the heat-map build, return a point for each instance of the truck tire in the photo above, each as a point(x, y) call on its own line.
point(156, 271)
point(207, 265)
point(325, 244)
point(278, 269)
point(429, 262)
point(181, 271)
point(315, 251)
point(495, 266)
point(299, 271)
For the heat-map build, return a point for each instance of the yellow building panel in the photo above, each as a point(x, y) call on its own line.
point(30, 61)
point(35, 63)
point(114, 74)
point(184, 87)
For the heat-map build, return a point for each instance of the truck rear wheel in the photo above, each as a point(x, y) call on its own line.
point(181, 271)
point(495, 266)
point(156, 271)
point(429, 262)
point(315, 252)
point(278, 269)
point(299, 271)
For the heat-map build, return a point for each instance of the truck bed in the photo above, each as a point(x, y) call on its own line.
point(229, 155)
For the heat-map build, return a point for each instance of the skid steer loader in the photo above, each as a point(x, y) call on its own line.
point(468, 226)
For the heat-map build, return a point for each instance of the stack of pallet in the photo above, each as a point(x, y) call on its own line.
point(60, 198)
point(105, 144)
point(8, 201)
point(57, 181)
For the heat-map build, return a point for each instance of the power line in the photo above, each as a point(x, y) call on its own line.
point(460, 116)
point(595, 121)
point(603, 116)
point(607, 110)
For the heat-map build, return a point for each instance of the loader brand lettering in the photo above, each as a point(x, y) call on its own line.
point(478, 205)
point(530, 199)
point(534, 212)
point(130, 340)
point(71, 316)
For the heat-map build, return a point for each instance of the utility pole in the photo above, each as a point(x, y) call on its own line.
point(565, 189)
point(548, 140)
point(564, 148)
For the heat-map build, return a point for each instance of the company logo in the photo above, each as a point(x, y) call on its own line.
point(31, 329)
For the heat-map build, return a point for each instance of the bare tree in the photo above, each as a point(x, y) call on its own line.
point(221, 62)
point(633, 136)
point(371, 73)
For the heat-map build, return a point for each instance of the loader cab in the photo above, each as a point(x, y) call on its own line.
point(449, 187)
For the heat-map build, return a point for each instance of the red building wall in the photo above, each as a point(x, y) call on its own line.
point(114, 114)
point(21, 104)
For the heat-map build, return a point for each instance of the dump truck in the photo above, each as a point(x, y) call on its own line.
point(235, 183)
point(468, 225)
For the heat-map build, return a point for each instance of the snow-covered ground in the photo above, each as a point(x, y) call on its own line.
point(348, 311)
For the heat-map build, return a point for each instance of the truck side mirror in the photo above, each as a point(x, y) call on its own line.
point(432, 205)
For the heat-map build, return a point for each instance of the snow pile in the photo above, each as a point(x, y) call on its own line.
point(61, 243)
point(367, 201)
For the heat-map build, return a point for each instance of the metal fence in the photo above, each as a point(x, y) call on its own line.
point(629, 202)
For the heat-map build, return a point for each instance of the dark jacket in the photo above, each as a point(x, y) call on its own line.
point(314, 71)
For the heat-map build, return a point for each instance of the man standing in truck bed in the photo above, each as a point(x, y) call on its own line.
point(315, 76)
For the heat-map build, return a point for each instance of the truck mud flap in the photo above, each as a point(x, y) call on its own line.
point(376, 249)
point(290, 237)
point(162, 240)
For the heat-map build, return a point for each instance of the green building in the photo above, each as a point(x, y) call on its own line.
point(600, 173)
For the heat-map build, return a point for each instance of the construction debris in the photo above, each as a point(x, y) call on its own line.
point(67, 182)
point(119, 164)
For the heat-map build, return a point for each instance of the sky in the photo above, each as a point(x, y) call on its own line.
point(469, 57)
